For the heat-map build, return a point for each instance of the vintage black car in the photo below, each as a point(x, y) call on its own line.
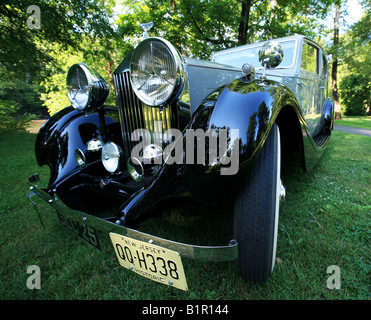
point(209, 132)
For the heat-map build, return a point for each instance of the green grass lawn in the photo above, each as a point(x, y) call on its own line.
point(357, 122)
point(324, 221)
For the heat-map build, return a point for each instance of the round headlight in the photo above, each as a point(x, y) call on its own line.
point(111, 153)
point(85, 87)
point(156, 71)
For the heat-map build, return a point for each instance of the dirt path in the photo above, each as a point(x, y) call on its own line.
point(361, 131)
point(35, 126)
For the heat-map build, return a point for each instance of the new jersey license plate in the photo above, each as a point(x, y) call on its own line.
point(150, 261)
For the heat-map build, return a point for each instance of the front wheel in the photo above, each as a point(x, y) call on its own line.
point(256, 213)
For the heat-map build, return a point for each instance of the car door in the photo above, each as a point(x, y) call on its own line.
point(311, 86)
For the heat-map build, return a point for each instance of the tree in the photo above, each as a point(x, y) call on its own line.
point(24, 57)
point(244, 21)
point(82, 30)
point(355, 84)
point(261, 20)
point(198, 28)
point(335, 92)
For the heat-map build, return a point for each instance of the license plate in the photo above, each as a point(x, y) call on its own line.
point(150, 261)
point(85, 232)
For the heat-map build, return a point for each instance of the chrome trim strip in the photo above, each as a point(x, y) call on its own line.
point(200, 253)
point(214, 67)
point(191, 62)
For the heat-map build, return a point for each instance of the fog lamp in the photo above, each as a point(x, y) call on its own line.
point(111, 154)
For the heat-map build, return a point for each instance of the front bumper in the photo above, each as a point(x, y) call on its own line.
point(107, 225)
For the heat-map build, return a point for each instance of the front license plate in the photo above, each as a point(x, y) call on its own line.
point(150, 261)
point(87, 233)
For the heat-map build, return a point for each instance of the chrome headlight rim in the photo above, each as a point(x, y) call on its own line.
point(96, 89)
point(180, 74)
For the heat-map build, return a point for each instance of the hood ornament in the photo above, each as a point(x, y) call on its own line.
point(145, 27)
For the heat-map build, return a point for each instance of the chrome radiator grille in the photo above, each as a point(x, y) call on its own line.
point(134, 114)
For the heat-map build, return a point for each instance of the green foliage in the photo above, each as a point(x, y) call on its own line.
point(55, 89)
point(355, 86)
point(34, 62)
point(27, 56)
point(8, 120)
point(198, 28)
point(18, 88)
point(194, 27)
point(62, 22)
point(355, 90)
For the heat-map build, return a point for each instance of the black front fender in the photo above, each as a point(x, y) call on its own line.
point(251, 107)
point(67, 131)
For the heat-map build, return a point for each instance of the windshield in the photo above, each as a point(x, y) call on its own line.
point(239, 56)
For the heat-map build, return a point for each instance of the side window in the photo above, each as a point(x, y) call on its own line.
point(309, 58)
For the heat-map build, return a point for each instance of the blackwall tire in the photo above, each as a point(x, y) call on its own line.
point(256, 213)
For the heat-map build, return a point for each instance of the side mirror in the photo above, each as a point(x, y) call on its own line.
point(270, 54)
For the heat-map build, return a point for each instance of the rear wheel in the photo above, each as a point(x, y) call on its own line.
point(256, 213)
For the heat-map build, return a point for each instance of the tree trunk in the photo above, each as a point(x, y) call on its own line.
point(335, 92)
point(244, 23)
